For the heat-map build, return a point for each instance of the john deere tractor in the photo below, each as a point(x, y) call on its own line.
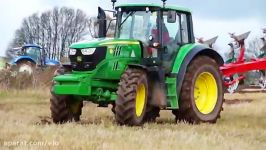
point(152, 63)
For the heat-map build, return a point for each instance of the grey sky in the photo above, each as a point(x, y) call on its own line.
point(211, 17)
point(227, 9)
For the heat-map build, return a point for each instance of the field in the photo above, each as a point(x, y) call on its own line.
point(25, 123)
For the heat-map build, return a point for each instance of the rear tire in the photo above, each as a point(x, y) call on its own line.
point(202, 93)
point(64, 109)
point(130, 106)
point(25, 66)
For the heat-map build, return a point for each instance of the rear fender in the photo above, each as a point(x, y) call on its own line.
point(21, 58)
point(180, 66)
point(50, 62)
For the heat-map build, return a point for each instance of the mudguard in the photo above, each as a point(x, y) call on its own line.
point(13, 62)
point(49, 62)
point(194, 51)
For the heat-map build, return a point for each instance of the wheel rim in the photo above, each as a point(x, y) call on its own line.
point(140, 99)
point(205, 92)
point(25, 68)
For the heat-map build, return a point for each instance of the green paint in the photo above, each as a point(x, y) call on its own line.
point(101, 83)
point(182, 53)
point(103, 42)
point(172, 98)
point(156, 5)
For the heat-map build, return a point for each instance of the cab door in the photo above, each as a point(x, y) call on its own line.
point(174, 35)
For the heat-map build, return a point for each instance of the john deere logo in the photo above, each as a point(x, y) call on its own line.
point(79, 59)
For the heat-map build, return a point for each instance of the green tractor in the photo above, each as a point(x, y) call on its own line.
point(152, 63)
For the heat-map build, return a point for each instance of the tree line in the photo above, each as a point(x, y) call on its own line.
point(53, 30)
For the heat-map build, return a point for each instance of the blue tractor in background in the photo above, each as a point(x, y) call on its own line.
point(30, 56)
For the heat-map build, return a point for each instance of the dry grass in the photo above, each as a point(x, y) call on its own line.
point(12, 79)
point(25, 116)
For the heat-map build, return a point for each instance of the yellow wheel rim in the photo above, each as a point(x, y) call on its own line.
point(205, 92)
point(140, 99)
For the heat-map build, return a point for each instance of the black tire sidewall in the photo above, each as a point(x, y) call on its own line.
point(125, 109)
point(58, 115)
point(26, 63)
point(216, 74)
point(142, 80)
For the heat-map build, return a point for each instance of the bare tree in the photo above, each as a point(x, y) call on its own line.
point(54, 30)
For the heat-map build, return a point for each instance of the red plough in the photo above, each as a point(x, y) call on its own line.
point(232, 72)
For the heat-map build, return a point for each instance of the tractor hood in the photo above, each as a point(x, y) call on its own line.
point(103, 42)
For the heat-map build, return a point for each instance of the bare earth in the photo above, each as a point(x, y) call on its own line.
point(25, 123)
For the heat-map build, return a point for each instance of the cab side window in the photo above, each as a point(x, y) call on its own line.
point(184, 28)
point(170, 30)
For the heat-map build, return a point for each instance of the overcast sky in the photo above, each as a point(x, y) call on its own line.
point(211, 17)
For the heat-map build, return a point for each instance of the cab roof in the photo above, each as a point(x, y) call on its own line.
point(177, 8)
point(31, 45)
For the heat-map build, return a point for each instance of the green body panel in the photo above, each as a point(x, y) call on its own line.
point(156, 5)
point(103, 42)
point(172, 97)
point(182, 53)
point(101, 83)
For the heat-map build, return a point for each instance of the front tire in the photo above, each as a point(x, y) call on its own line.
point(26, 66)
point(64, 108)
point(202, 93)
point(130, 106)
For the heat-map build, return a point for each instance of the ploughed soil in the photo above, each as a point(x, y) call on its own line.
point(237, 101)
point(42, 77)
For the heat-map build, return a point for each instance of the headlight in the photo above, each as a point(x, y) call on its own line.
point(88, 51)
point(72, 52)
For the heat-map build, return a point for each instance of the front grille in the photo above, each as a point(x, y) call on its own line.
point(82, 62)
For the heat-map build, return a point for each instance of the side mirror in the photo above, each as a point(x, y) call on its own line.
point(171, 16)
point(102, 23)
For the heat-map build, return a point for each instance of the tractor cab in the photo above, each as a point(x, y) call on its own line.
point(31, 50)
point(160, 30)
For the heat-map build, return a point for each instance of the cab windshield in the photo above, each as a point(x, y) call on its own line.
point(137, 25)
point(33, 52)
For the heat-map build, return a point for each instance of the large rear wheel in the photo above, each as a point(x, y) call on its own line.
point(130, 106)
point(202, 93)
point(25, 66)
